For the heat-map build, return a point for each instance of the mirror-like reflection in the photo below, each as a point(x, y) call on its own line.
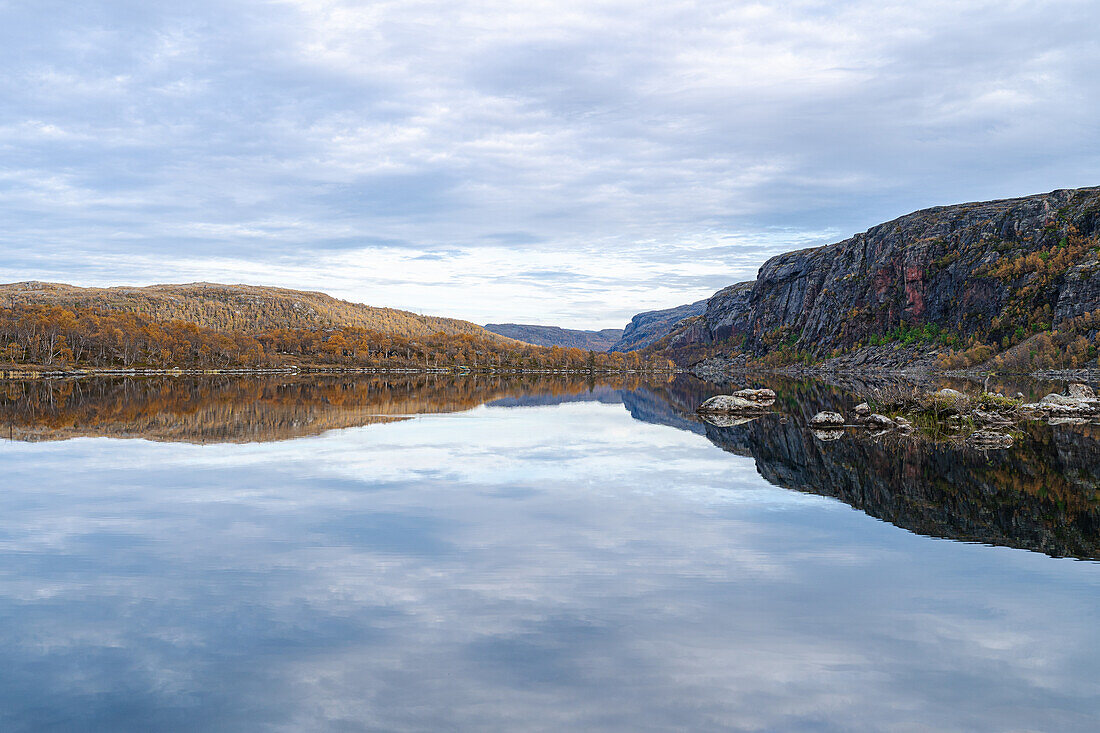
point(447, 553)
point(1042, 495)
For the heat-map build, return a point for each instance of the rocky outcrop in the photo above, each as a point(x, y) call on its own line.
point(728, 315)
point(645, 328)
point(556, 336)
point(989, 269)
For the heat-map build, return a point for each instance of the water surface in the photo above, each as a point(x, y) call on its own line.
point(477, 554)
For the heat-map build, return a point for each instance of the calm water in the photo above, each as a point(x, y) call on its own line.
point(437, 554)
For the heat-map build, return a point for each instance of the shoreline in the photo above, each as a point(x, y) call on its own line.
point(35, 372)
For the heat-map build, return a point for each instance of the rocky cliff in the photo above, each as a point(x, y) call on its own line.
point(555, 336)
point(645, 328)
point(993, 273)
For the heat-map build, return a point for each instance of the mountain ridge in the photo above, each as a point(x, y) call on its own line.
point(537, 335)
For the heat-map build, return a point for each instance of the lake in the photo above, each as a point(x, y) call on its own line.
point(428, 553)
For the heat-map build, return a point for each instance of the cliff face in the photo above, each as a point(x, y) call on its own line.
point(645, 328)
point(996, 270)
point(555, 336)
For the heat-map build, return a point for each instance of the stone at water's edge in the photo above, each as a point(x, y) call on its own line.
point(863, 409)
point(876, 420)
point(1059, 399)
point(730, 403)
point(1081, 391)
point(764, 396)
point(826, 418)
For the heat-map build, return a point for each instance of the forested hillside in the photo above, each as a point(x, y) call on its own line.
point(237, 308)
point(54, 337)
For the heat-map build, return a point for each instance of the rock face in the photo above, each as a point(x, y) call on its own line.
point(645, 328)
point(956, 268)
point(827, 419)
point(555, 336)
point(727, 314)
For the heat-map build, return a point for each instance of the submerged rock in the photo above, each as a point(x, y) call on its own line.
point(826, 418)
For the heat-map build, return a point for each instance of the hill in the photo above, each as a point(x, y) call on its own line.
point(646, 328)
point(961, 284)
point(556, 336)
point(238, 308)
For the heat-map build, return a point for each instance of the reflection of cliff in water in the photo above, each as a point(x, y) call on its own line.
point(1042, 495)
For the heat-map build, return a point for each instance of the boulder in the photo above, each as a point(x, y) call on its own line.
point(1081, 391)
point(878, 421)
point(1060, 399)
point(730, 404)
point(863, 409)
point(950, 393)
point(826, 418)
point(762, 396)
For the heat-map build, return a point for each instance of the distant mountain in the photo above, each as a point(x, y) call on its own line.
point(645, 328)
point(555, 336)
point(244, 308)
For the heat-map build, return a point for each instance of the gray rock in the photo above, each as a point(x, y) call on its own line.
point(826, 434)
point(1059, 399)
point(863, 409)
point(826, 418)
point(1081, 391)
point(945, 392)
point(730, 404)
point(879, 421)
point(760, 396)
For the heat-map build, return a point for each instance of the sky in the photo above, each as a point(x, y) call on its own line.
point(566, 163)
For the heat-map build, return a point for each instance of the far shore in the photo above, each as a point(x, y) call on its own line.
point(24, 372)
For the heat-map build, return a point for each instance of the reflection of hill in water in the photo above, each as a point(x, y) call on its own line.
point(239, 410)
point(1042, 495)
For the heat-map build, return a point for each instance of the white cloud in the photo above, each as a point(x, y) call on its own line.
point(615, 140)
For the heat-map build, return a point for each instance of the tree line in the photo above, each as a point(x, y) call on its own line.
point(58, 337)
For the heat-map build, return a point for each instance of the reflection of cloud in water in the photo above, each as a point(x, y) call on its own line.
point(429, 575)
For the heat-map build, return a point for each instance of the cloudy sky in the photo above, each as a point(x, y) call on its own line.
point(546, 162)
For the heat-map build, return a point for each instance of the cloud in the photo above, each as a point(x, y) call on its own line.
point(699, 139)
